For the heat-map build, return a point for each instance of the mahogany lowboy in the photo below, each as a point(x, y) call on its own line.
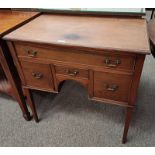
point(88, 50)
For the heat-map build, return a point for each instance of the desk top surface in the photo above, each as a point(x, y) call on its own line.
point(114, 33)
point(12, 19)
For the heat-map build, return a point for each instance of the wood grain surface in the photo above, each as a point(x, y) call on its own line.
point(123, 34)
point(9, 20)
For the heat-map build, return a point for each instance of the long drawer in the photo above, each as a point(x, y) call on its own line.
point(107, 60)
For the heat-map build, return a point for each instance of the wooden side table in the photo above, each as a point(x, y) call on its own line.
point(9, 80)
point(105, 55)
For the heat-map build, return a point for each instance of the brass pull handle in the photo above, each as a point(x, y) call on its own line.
point(31, 53)
point(110, 63)
point(72, 72)
point(37, 75)
point(112, 87)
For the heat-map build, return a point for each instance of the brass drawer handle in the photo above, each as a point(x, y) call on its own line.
point(72, 72)
point(37, 75)
point(31, 53)
point(110, 63)
point(112, 87)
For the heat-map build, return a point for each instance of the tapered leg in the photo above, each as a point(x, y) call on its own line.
point(129, 112)
point(23, 106)
point(31, 104)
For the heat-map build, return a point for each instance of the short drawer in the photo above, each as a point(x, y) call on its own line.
point(71, 71)
point(37, 75)
point(105, 60)
point(61, 78)
point(112, 86)
point(64, 73)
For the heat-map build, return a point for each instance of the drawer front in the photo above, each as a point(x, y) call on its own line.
point(112, 61)
point(37, 75)
point(112, 86)
point(61, 78)
point(71, 72)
